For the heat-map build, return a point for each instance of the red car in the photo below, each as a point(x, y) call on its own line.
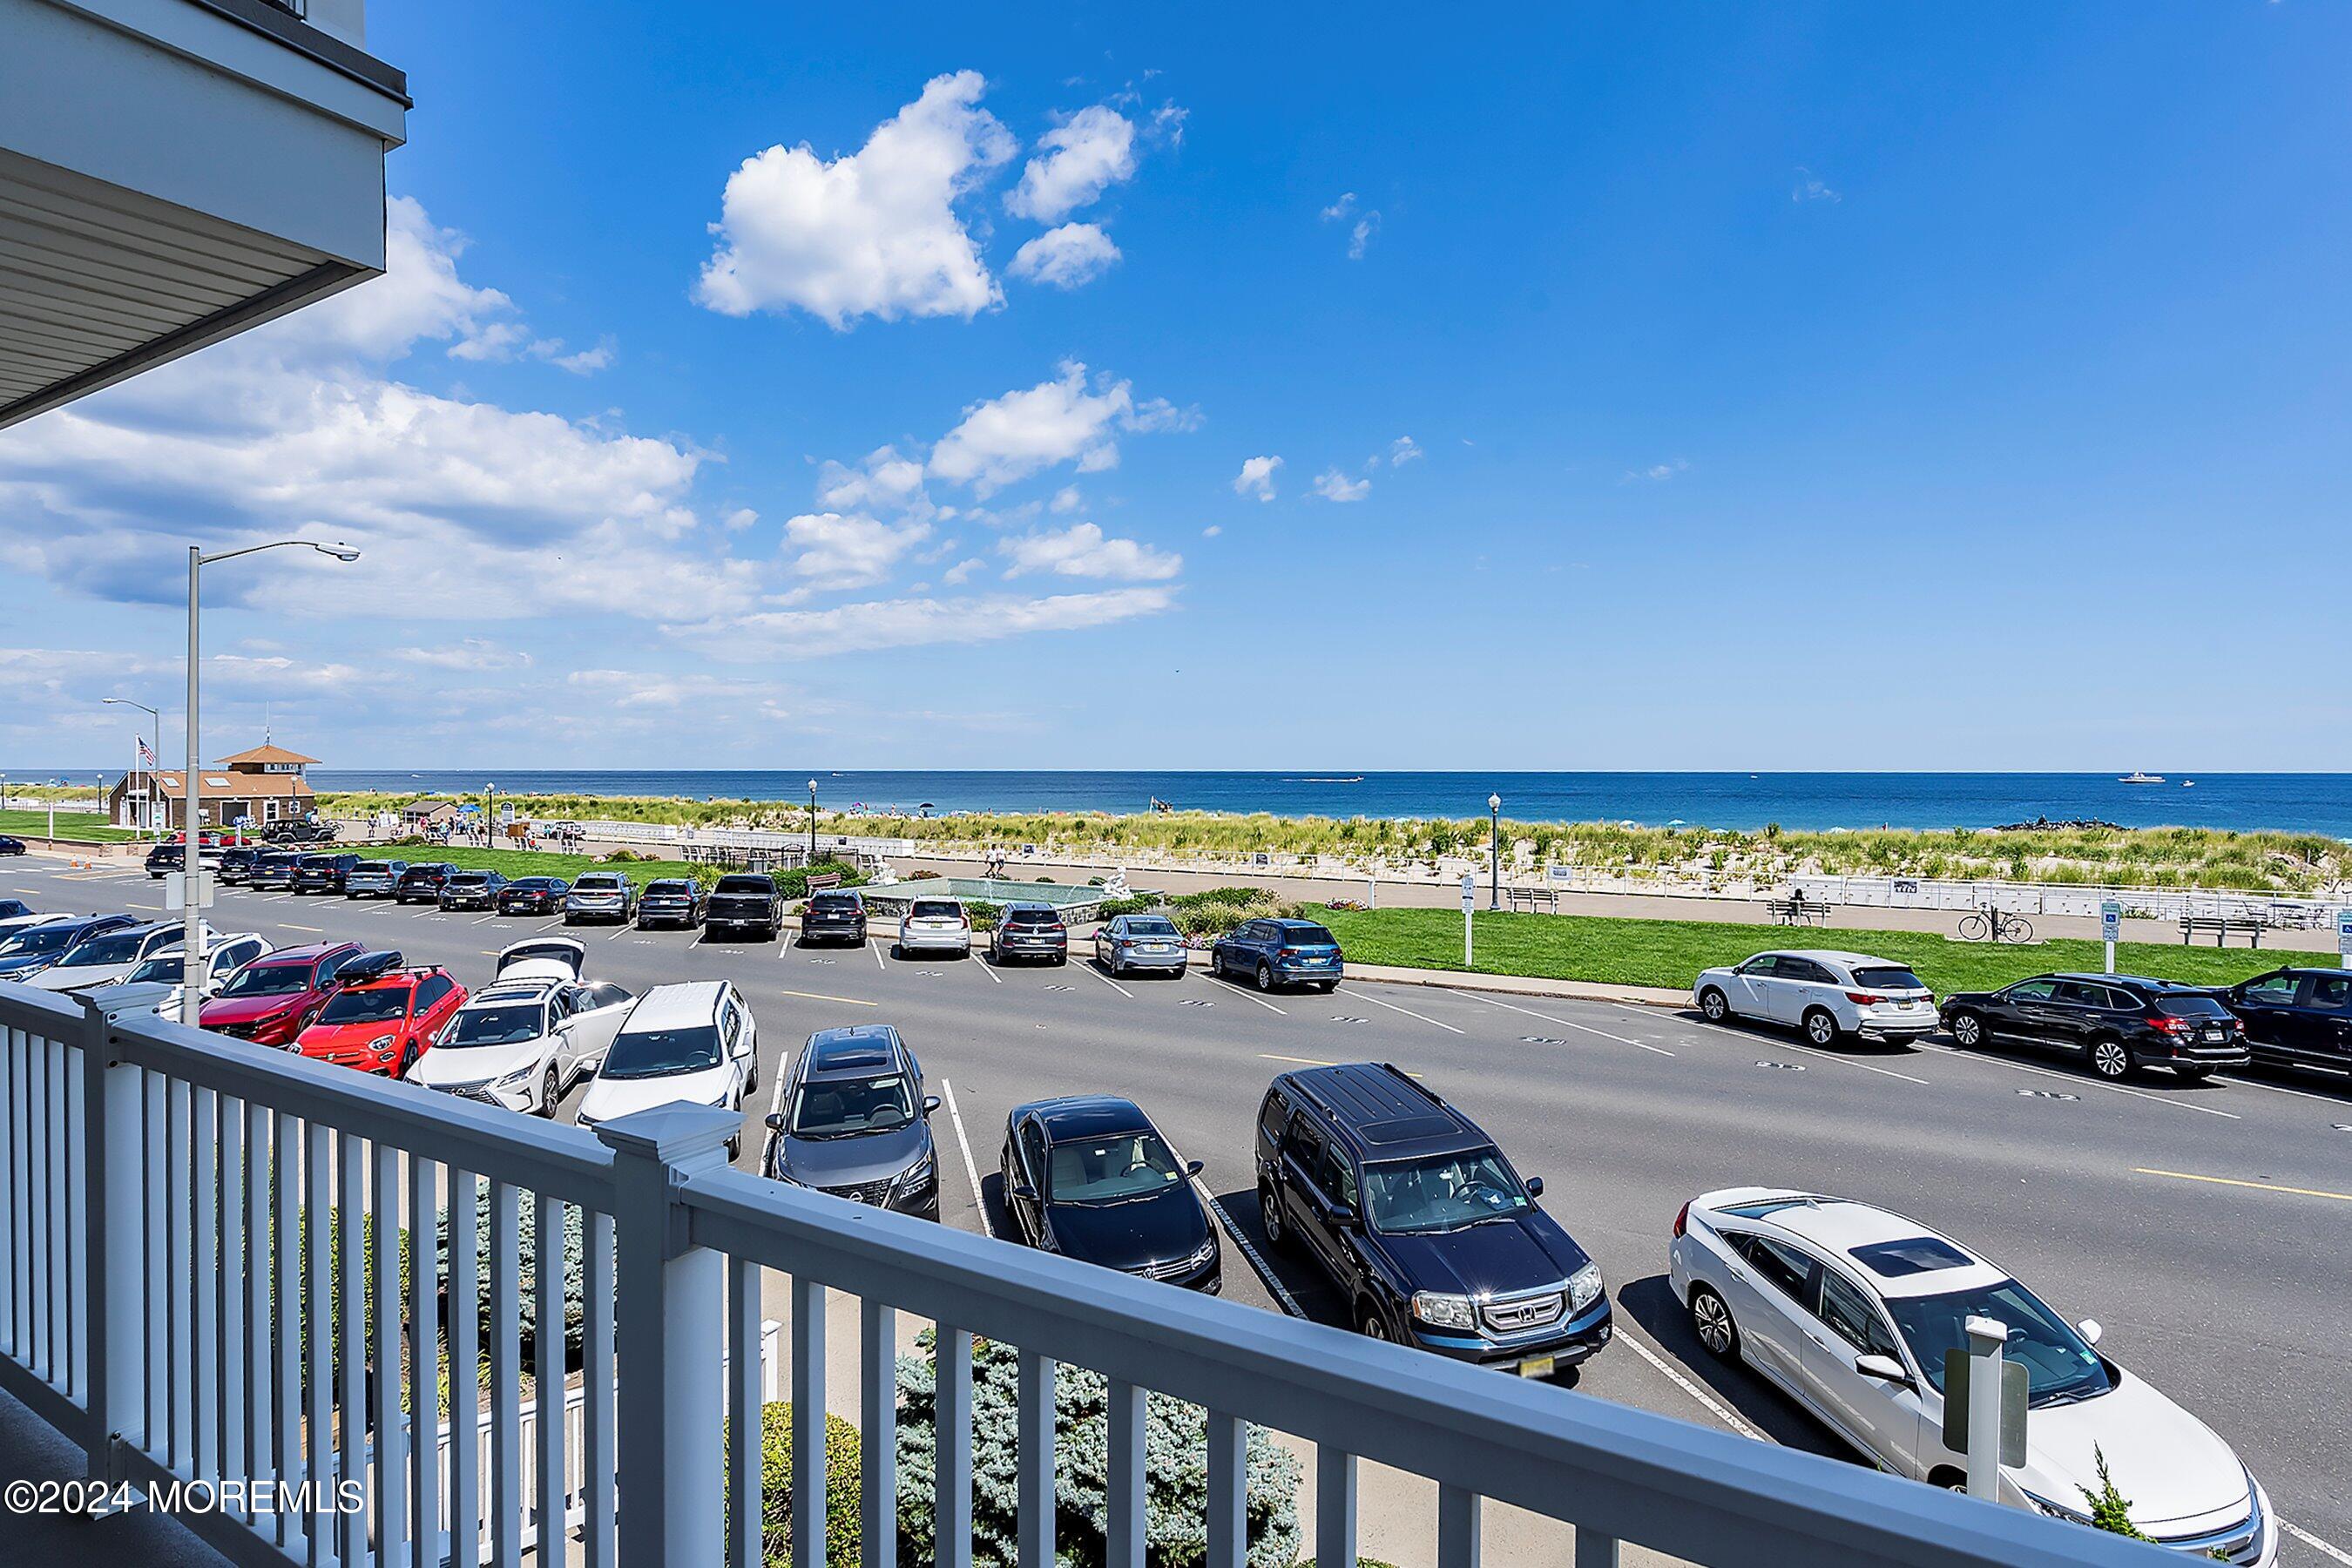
point(269, 1000)
point(381, 1016)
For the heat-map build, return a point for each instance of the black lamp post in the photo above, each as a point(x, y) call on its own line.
point(812, 854)
point(1495, 851)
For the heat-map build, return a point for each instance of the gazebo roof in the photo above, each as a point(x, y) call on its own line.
point(266, 755)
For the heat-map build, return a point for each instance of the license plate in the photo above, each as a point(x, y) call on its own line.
point(1537, 1367)
point(2214, 1035)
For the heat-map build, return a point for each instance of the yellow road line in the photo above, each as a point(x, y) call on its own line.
point(2233, 1182)
point(1302, 1062)
point(821, 996)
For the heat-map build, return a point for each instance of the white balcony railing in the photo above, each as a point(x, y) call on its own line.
point(185, 1293)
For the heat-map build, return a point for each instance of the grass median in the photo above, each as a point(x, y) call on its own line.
point(79, 824)
point(1670, 953)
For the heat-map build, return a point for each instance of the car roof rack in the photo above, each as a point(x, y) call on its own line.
point(369, 966)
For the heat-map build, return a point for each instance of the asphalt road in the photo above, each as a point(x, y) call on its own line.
point(2207, 1227)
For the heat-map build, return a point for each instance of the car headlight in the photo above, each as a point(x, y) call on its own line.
point(1202, 1254)
point(382, 1042)
point(921, 1171)
point(520, 1076)
point(1443, 1311)
point(1584, 1288)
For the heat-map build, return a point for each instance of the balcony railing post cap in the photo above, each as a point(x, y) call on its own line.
point(671, 1134)
point(113, 1002)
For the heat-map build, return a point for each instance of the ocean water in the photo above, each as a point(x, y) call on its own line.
point(2311, 803)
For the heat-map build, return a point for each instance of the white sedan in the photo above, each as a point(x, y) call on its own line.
point(1850, 1309)
point(1822, 994)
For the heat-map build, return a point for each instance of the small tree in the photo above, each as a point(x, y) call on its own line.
point(843, 1541)
point(1176, 1464)
point(2110, 1510)
point(527, 1271)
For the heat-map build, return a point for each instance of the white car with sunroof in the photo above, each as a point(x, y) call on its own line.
point(525, 1040)
point(1822, 994)
point(1848, 1309)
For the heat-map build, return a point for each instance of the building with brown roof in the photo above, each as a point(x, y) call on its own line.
point(256, 787)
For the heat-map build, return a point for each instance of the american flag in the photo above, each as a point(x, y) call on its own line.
point(146, 754)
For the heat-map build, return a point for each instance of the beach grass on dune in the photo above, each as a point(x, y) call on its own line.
point(1670, 953)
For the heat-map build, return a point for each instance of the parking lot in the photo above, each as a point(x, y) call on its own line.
point(2205, 1225)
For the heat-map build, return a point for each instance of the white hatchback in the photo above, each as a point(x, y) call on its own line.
point(1822, 994)
point(935, 925)
point(692, 1043)
point(1849, 1309)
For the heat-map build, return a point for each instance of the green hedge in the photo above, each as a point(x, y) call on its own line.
point(842, 1529)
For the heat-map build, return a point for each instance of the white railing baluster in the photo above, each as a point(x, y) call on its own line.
point(318, 1337)
point(203, 1281)
point(260, 1269)
point(1123, 1502)
point(808, 1420)
point(1458, 1527)
point(391, 1462)
point(76, 1370)
point(506, 1376)
point(283, 1461)
point(1228, 1492)
point(153, 1254)
point(178, 1286)
point(597, 1479)
point(464, 1370)
point(424, 1366)
point(35, 1335)
point(117, 1288)
point(547, 1347)
point(1033, 1490)
point(745, 1433)
point(952, 1469)
point(236, 1264)
point(877, 1453)
point(11, 1192)
point(350, 1397)
point(1335, 1507)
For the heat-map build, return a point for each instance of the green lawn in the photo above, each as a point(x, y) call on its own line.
point(1670, 953)
point(70, 825)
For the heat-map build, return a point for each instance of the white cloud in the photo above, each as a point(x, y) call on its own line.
point(742, 518)
point(1081, 551)
point(1811, 187)
point(914, 623)
point(467, 653)
point(1656, 472)
point(1211, 530)
point(638, 697)
point(854, 551)
point(1084, 156)
point(1069, 257)
point(1340, 208)
point(882, 479)
point(1066, 498)
point(873, 233)
point(1333, 485)
point(1403, 450)
point(1009, 438)
point(1257, 478)
point(961, 571)
point(1359, 234)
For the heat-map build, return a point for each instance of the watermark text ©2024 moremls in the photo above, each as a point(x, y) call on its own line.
point(94, 1499)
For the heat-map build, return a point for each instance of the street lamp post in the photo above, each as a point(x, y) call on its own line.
point(147, 795)
point(191, 992)
point(812, 854)
point(1494, 851)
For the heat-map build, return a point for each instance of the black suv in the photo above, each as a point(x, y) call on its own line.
point(2296, 1017)
point(670, 900)
point(272, 871)
point(854, 1123)
point(745, 901)
point(237, 864)
point(1430, 1235)
point(835, 915)
point(423, 882)
point(2115, 1022)
point(472, 889)
point(1030, 931)
point(300, 833)
point(323, 873)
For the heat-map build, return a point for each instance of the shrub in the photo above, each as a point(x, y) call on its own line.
point(1176, 1463)
point(2110, 1510)
point(1134, 904)
point(527, 1262)
point(985, 913)
point(842, 1537)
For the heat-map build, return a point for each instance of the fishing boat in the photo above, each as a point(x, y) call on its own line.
point(2136, 777)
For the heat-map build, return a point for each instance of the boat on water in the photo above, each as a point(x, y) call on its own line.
point(2136, 777)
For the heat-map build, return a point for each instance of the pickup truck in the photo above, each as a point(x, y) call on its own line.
point(745, 901)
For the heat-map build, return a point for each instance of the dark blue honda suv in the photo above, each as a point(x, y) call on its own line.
point(1278, 952)
point(1426, 1229)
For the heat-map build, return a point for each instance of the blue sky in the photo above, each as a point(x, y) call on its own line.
point(1786, 387)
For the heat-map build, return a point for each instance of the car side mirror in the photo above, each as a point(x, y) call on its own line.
point(1025, 1192)
point(1194, 1167)
point(1884, 1368)
point(1535, 1186)
point(775, 1121)
point(2090, 1330)
point(1345, 1216)
point(930, 1103)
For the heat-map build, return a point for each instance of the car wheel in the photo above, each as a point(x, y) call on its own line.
point(550, 1092)
point(1713, 1006)
point(1370, 1324)
point(1328, 986)
point(1711, 1321)
point(1968, 1031)
point(752, 1078)
point(1821, 1026)
point(898, 950)
point(1269, 1216)
point(2111, 1058)
point(734, 1149)
point(1265, 975)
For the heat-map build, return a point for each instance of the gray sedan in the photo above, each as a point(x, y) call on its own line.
point(1141, 942)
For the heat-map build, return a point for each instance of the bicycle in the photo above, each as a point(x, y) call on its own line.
point(1990, 924)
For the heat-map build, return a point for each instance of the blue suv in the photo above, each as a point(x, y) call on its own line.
point(1430, 1235)
point(1278, 952)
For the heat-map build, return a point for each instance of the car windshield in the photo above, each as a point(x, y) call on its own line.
point(117, 948)
point(507, 1026)
point(1109, 1170)
point(373, 867)
point(839, 1108)
point(268, 980)
point(1040, 918)
point(472, 879)
point(1308, 936)
point(745, 885)
point(40, 938)
point(934, 910)
point(597, 883)
point(1444, 1192)
point(1887, 977)
point(1151, 925)
point(833, 901)
point(374, 1006)
point(657, 1053)
point(2190, 1007)
point(666, 887)
point(161, 971)
point(2058, 1367)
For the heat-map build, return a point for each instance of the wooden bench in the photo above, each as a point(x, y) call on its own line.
point(1796, 911)
point(824, 880)
point(1533, 898)
point(2223, 928)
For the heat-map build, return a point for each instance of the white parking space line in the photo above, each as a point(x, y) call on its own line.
point(289, 925)
point(988, 969)
point(971, 1171)
point(618, 933)
point(1721, 1412)
point(875, 949)
point(1564, 1022)
point(1393, 1007)
point(1777, 1042)
point(2079, 1077)
point(1107, 980)
point(2314, 1542)
point(1259, 1000)
point(485, 920)
point(133, 904)
point(2279, 1089)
